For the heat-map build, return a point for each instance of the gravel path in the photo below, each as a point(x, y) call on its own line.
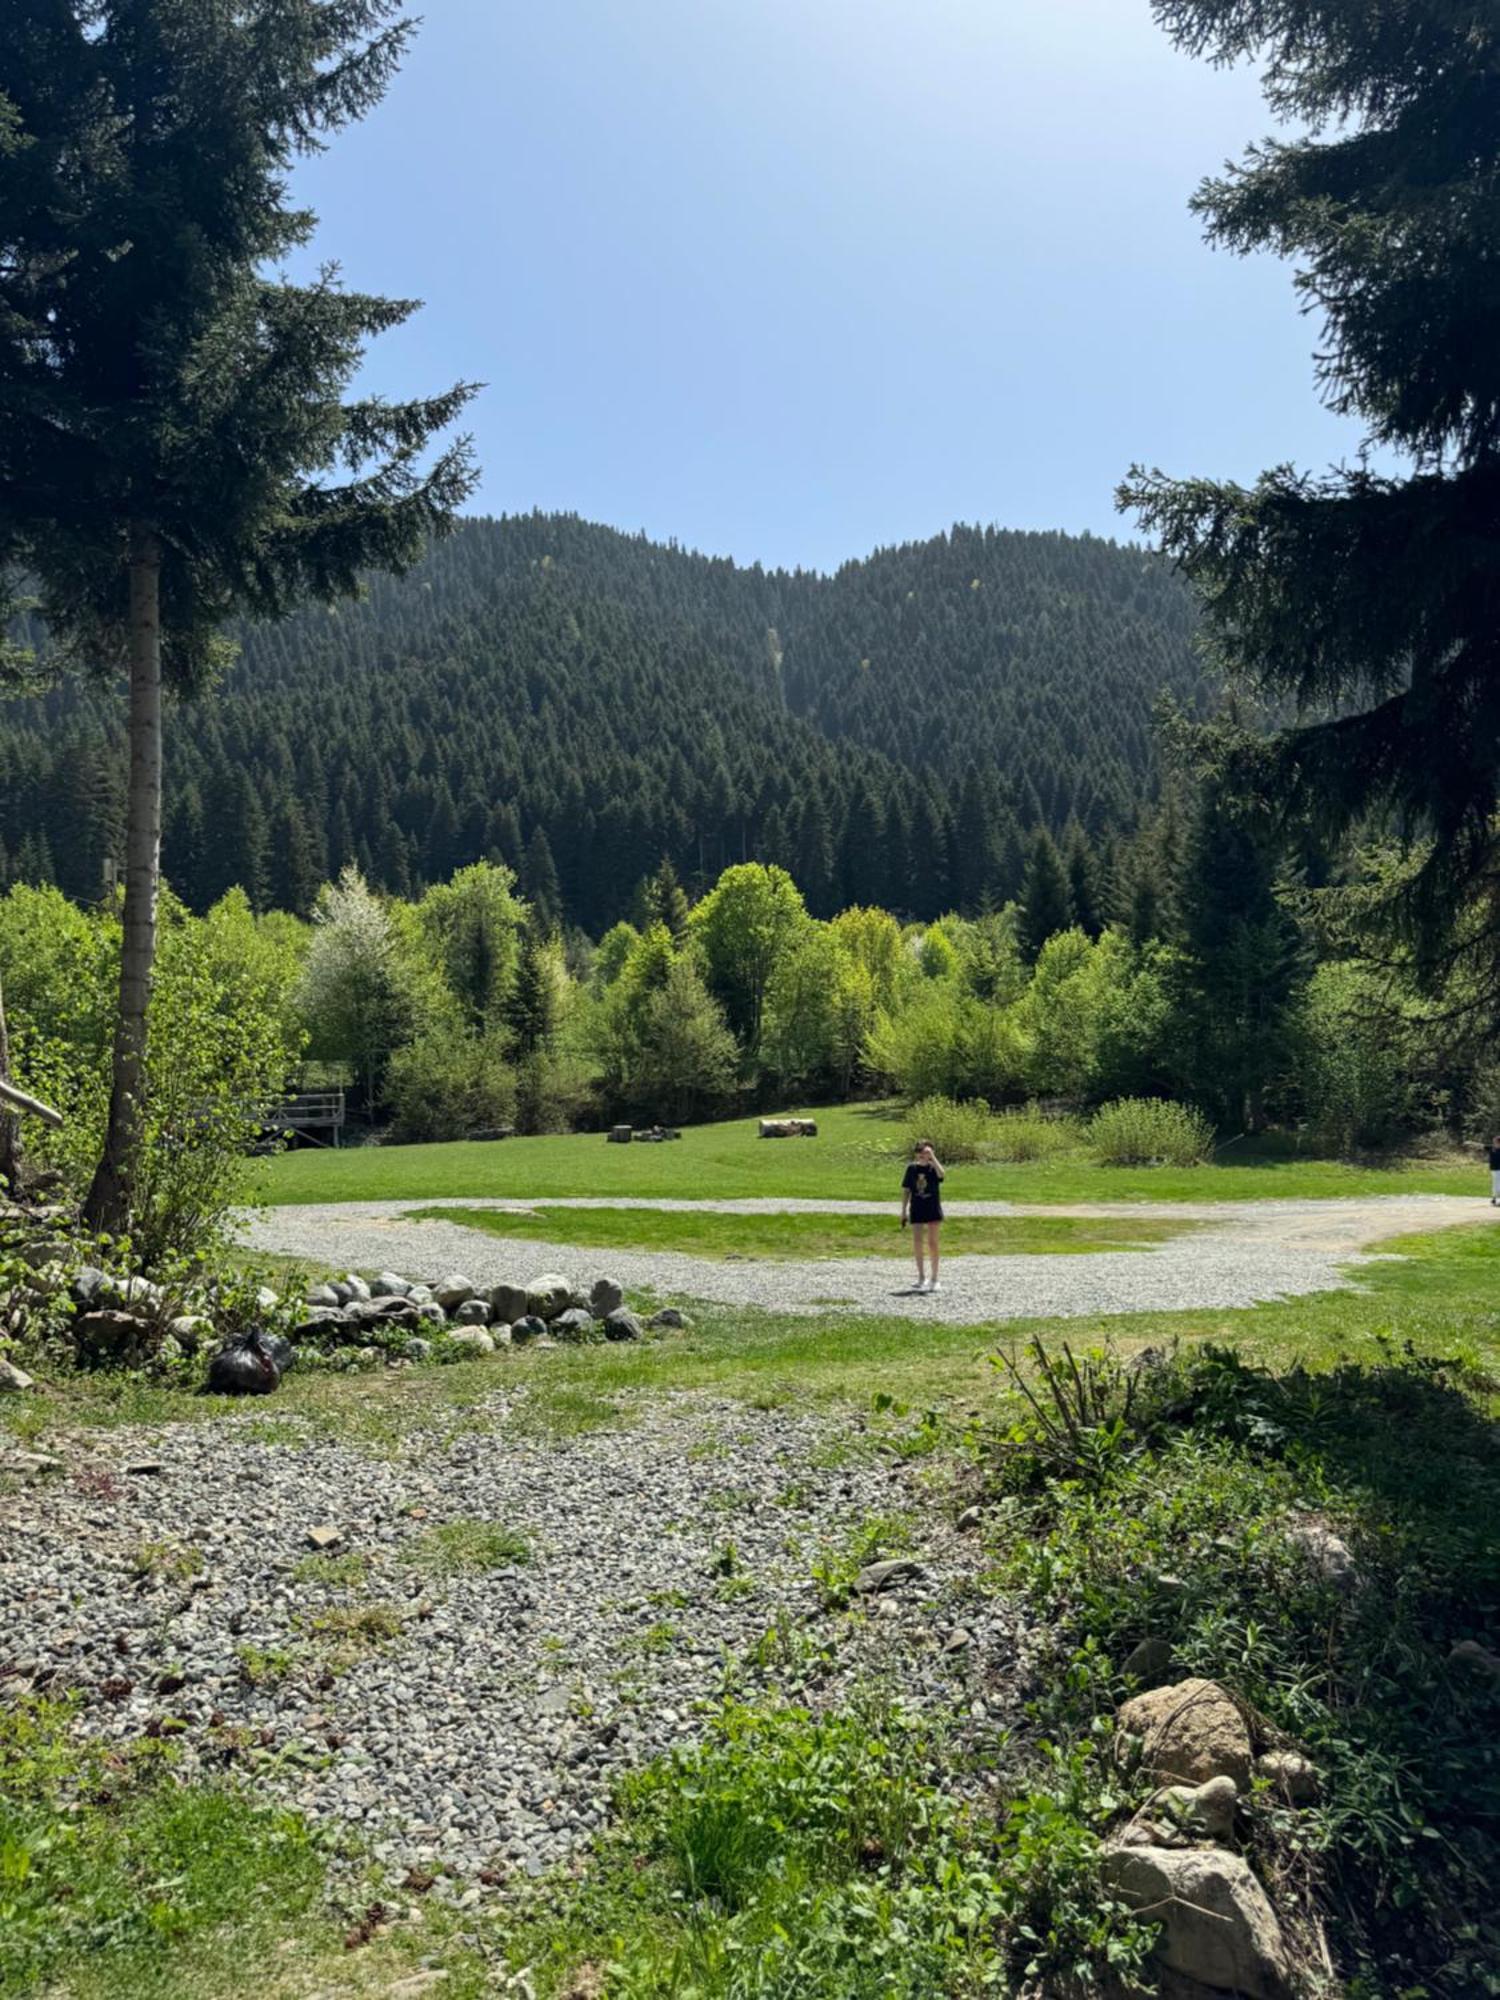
point(1239, 1254)
point(482, 1733)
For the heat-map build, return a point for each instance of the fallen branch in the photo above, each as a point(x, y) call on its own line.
point(19, 1101)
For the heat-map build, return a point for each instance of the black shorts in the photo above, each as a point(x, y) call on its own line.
point(927, 1211)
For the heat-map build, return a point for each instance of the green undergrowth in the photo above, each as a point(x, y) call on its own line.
point(849, 1856)
point(118, 1883)
point(790, 1238)
point(1170, 1521)
point(859, 1153)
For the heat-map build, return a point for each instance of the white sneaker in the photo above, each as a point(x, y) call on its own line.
point(934, 1286)
point(922, 1284)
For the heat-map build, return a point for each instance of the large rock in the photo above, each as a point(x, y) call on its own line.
point(508, 1303)
point(191, 1331)
point(113, 1338)
point(1187, 1733)
point(622, 1324)
point(576, 1326)
point(605, 1297)
point(1327, 1553)
point(548, 1295)
point(1291, 1776)
point(669, 1317)
point(1218, 1926)
point(325, 1296)
point(1186, 1816)
point(477, 1339)
point(453, 1292)
point(473, 1312)
point(13, 1380)
point(355, 1288)
point(389, 1286)
point(526, 1329)
point(91, 1286)
point(141, 1297)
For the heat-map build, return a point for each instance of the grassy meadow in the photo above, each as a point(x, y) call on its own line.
point(857, 1155)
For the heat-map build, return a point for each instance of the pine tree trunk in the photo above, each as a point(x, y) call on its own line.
point(110, 1198)
point(10, 1125)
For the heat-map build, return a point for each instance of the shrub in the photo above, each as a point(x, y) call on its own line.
point(1149, 1132)
point(957, 1131)
point(1029, 1134)
point(448, 1084)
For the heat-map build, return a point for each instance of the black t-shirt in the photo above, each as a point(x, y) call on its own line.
point(925, 1185)
point(1495, 1159)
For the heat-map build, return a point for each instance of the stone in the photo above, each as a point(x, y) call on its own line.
point(420, 1295)
point(111, 1336)
point(454, 1291)
point(622, 1324)
point(1327, 1553)
point(958, 1641)
point(499, 1333)
point(13, 1380)
point(30, 1464)
point(880, 1576)
point(669, 1317)
point(389, 1286)
point(619, 1135)
point(1290, 1775)
point(1188, 1732)
point(417, 1349)
point(324, 1537)
point(91, 1286)
point(1186, 1816)
point(1218, 1926)
point(266, 1301)
point(324, 1295)
point(143, 1468)
point(526, 1329)
point(432, 1314)
point(508, 1303)
point(575, 1326)
point(1148, 1661)
point(191, 1331)
point(605, 1297)
point(548, 1295)
point(1477, 1659)
point(139, 1297)
point(969, 1520)
point(358, 1289)
point(473, 1312)
point(477, 1339)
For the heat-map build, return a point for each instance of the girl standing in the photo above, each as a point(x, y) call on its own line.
point(922, 1206)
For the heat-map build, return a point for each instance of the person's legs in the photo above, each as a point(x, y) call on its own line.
point(932, 1250)
point(1494, 1189)
point(916, 1244)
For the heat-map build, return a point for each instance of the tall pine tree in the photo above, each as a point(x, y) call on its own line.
point(175, 447)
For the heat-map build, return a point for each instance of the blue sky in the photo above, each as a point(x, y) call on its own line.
point(790, 279)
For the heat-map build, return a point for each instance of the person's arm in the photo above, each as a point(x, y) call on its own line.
point(905, 1196)
point(939, 1165)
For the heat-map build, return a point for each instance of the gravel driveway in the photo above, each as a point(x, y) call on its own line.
point(1238, 1254)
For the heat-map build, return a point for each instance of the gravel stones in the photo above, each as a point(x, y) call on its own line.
point(488, 1732)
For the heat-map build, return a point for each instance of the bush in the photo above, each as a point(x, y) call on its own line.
point(1030, 1134)
point(957, 1131)
point(1149, 1132)
point(449, 1084)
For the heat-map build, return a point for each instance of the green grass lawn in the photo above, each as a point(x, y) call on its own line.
point(857, 1155)
point(782, 1238)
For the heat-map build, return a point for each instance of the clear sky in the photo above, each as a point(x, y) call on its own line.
point(790, 279)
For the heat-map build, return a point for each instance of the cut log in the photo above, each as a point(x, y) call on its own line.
point(19, 1101)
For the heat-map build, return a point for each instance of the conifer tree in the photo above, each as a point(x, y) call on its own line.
point(1368, 597)
point(1045, 907)
point(175, 446)
point(539, 879)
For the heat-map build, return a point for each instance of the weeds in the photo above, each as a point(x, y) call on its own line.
point(463, 1547)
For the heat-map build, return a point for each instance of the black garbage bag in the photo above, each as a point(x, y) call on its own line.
point(246, 1365)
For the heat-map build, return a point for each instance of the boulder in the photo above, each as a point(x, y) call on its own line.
point(669, 1317)
point(91, 1286)
point(1188, 1732)
point(575, 1326)
point(526, 1329)
point(508, 1303)
point(324, 1295)
point(389, 1286)
point(431, 1314)
point(499, 1333)
point(548, 1295)
point(1327, 1553)
point(473, 1312)
point(13, 1380)
point(355, 1288)
point(1218, 1926)
point(113, 1338)
point(453, 1292)
point(1290, 1775)
point(49, 1250)
point(605, 1297)
point(619, 1135)
point(1186, 1816)
point(140, 1296)
point(266, 1301)
point(622, 1324)
point(1148, 1661)
point(420, 1295)
point(417, 1349)
point(191, 1331)
point(477, 1339)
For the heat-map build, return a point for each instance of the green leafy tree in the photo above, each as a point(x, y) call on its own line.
point(743, 927)
point(360, 995)
point(175, 447)
point(686, 1057)
point(1368, 597)
point(470, 928)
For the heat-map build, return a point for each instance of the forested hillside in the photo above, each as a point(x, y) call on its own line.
point(580, 703)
